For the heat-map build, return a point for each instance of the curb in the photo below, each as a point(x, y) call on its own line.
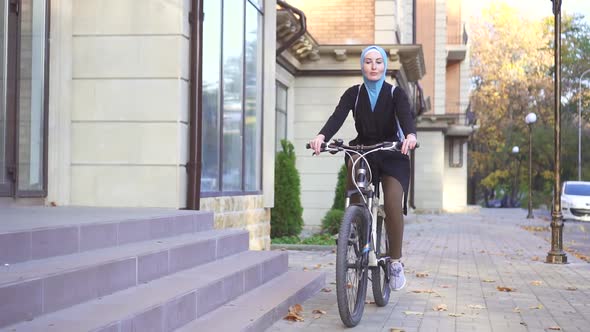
point(303, 247)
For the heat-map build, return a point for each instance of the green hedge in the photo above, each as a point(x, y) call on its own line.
point(333, 218)
point(286, 218)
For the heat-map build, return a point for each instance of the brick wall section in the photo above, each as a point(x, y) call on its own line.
point(244, 212)
point(339, 21)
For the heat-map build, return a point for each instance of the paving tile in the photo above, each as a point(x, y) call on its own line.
point(467, 256)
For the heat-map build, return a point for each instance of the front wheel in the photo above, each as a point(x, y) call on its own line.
point(379, 274)
point(351, 266)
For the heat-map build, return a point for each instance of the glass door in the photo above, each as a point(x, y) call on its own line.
point(31, 149)
point(8, 88)
point(23, 98)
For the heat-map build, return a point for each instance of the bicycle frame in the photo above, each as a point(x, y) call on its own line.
point(366, 187)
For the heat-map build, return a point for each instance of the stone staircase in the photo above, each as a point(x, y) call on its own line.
point(155, 270)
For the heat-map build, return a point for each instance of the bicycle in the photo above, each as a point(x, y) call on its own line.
point(362, 223)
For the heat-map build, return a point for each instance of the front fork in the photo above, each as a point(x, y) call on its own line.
point(370, 232)
point(371, 243)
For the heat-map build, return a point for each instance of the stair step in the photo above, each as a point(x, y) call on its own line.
point(169, 302)
point(44, 286)
point(260, 308)
point(41, 232)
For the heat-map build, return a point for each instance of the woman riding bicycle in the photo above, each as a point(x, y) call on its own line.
point(381, 113)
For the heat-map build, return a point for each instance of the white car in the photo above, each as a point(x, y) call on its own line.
point(575, 200)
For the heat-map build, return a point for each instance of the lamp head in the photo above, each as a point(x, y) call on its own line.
point(530, 118)
point(515, 149)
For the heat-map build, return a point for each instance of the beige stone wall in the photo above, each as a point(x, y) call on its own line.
point(455, 183)
point(429, 171)
point(122, 99)
point(339, 21)
point(244, 212)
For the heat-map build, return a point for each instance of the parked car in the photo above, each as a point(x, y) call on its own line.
point(575, 200)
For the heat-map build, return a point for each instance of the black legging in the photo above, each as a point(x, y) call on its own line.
point(393, 195)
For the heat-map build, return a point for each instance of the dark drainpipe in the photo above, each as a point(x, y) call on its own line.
point(302, 30)
point(193, 166)
point(412, 202)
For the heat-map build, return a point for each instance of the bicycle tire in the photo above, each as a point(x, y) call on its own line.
point(351, 300)
point(379, 275)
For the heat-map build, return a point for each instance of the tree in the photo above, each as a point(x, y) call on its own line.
point(513, 69)
point(286, 218)
point(510, 79)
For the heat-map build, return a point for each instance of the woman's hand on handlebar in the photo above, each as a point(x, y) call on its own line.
point(409, 143)
point(316, 143)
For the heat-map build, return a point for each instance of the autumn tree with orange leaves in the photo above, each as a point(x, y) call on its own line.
point(512, 75)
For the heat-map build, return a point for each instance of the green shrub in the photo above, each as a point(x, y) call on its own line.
point(316, 239)
point(331, 221)
point(340, 192)
point(286, 216)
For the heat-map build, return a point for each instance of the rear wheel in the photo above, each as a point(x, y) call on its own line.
point(379, 275)
point(351, 266)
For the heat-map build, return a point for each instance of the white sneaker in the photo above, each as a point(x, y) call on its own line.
point(397, 279)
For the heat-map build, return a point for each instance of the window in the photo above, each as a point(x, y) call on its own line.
point(232, 97)
point(281, 115)
point(455, 152)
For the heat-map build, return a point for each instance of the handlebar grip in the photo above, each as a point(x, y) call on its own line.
point(308, 146)
point(398, 145)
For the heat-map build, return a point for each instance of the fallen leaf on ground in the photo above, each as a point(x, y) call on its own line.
point(524, 324)
point(536, 228)
point(326, 290)
point(489, 280)
point(440, 307)
point(555, 328)
point(572, 288)
point(535, 258)
point(536, 282)
point(426, 291)
point(482, 251)
point(582, 257)
point(476, 306)
point(505, 289)
point(516, 309)
point(317, 313)
point(318, 266)
point(453, 314)
point(305, 269)
point(395, 329)
point(444, 286)
point(415, 313)
point(538, 306)
point(294, 314)
point(422, 274)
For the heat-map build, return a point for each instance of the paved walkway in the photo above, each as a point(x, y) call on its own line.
point(463, 260)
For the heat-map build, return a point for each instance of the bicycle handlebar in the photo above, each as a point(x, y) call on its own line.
point(338, 145)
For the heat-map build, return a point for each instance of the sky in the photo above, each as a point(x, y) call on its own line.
point(534, 9)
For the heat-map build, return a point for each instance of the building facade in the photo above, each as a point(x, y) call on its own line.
point(428, 49)
point(181, 103)
point(124, 103)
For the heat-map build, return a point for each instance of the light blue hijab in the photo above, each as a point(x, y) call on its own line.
point(373, 87)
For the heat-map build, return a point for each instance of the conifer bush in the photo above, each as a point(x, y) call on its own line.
point(333, 218)
point(286, 218)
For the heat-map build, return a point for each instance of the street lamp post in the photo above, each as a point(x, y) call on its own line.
point(530, 119)
point(515, 151)
point(556, 255)
point(580, 125)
